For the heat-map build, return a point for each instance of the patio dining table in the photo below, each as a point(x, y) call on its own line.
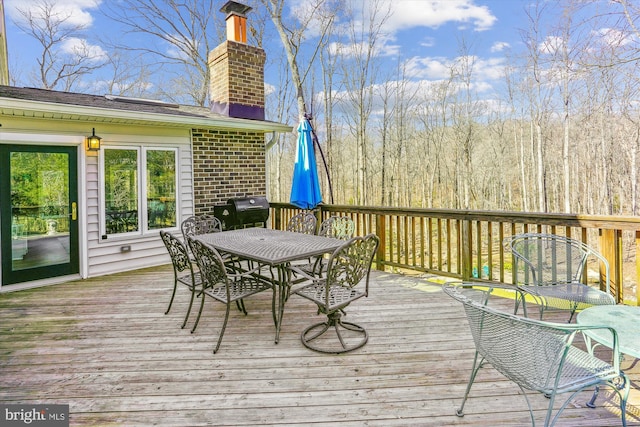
point(623, 318)
point(275, 249)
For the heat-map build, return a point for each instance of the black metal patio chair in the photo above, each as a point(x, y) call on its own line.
point(202, 224)
point(183, 270)
point(224, 284)
point(346, 280)
point(337, 227)
point(303, 222)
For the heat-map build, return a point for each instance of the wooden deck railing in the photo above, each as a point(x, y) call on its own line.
point(468, 244)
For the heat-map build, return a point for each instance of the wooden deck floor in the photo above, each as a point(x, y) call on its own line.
point(104, 347)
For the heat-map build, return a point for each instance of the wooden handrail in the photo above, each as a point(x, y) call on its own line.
point(468, 244)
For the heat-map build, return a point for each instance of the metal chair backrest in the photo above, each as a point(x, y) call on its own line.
point(339, 227)
point(210, 264)
point(303, 222)
point(351, 263)
point(177, 251)
point(547, 259)
point(534, 354)
point(203, 224)
point(528, 352)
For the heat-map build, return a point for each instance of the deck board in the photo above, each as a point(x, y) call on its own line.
point(105, 347)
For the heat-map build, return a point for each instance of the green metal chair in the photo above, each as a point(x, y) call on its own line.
point(536, 355)
point(551, 269)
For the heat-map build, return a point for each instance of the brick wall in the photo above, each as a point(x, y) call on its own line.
point(227, 164)
point(237, 76)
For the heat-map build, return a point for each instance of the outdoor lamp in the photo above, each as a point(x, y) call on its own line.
point(93, 141)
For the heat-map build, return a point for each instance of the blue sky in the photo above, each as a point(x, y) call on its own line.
point(424, 33)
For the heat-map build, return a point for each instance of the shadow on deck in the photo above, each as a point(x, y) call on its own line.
point(104, 347)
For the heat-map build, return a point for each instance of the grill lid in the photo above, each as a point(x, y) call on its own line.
point(242, 204)
point(248, 210)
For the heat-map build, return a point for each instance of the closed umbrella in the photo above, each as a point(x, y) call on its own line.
point(305, 188)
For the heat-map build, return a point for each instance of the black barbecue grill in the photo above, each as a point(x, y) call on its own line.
point(242, 211)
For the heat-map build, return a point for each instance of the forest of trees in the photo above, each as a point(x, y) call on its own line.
point(561, 135)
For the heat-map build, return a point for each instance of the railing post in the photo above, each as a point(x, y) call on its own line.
point(277, 218)
point(381, 228)
point(317, 212)
point(611, 249)
point(466, 264)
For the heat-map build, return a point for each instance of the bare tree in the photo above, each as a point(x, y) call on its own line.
point(360, 69)
point(127, 76)
point(280, 151)
point(303, 36)
point(184, 34)
point(65, 56)
point(540, 96)
point(294, 33)
point(329, 67)
point(465, 114)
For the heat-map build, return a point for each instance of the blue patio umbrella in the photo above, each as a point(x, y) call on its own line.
point(305, 188)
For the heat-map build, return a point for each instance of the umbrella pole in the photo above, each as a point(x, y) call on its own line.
point(324, 161)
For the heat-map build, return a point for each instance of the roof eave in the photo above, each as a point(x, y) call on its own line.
point(13, 107)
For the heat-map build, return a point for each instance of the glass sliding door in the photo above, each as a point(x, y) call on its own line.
point(39, 211)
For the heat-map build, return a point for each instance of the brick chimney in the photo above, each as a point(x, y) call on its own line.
point(237, 70)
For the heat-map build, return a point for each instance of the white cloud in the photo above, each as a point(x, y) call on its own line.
point(551, 45)
point(269, 89)
point(75, 11)
point(500, 46)
point(429, 68)
point(80, 47)
point(439, 68)
point(614, 37)
point(385, 47)
point(490, 69)
point(404, 14)
point(435, 13)
point(428, 42)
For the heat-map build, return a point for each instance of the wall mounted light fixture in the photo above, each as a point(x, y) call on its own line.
point(93, 141)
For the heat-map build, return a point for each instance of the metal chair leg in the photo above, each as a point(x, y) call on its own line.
point(334, 322)
point(175, 285)
point(186, 317)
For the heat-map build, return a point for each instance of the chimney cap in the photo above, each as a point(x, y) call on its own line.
point(233, 7)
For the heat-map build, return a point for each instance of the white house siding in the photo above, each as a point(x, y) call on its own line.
point(66, 119)
point(105, 255)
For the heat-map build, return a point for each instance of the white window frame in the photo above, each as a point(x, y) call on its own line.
point(141, 153)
